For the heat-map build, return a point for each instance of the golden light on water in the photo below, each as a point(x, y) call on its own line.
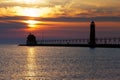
point(31, 62)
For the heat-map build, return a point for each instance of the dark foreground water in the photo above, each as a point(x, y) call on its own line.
point(58, 63)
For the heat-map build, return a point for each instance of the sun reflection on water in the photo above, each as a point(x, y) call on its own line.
point(31, 62)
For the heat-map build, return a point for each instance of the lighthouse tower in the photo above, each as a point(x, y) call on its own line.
point(92, 34)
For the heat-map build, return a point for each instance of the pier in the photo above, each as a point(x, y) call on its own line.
point(92, 41)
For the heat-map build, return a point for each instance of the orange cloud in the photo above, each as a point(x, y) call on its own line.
point(55, 8)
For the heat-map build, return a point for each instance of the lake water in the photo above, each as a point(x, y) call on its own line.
point(59, 63)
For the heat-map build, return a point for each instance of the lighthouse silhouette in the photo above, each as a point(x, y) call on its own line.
point(92, 34)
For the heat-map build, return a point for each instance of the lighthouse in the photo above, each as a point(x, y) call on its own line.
point(31, 40)
point(92, 34)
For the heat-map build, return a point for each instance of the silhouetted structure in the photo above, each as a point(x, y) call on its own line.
point(31, 40)
point(88, 42)
point(92, 34)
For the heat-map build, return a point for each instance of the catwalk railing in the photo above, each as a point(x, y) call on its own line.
point(115, 41)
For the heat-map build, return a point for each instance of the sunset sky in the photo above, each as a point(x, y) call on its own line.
point(57, 19)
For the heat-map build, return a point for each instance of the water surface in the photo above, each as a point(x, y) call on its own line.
point(59, 63)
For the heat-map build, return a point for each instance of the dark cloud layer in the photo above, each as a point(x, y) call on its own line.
point(65, 19)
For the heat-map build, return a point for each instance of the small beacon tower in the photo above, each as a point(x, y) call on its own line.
point(92, 34)
point(31, 40)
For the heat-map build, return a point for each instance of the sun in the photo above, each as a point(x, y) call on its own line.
point(32, 23)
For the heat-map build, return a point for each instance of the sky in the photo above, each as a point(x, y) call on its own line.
point(57, 19)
